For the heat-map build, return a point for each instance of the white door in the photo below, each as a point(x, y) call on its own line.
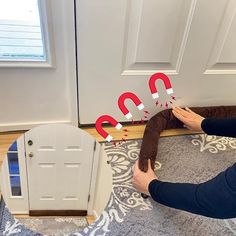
point(122, 43)
point(59, 163)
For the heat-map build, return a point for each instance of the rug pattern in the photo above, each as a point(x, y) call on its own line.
point(189, 158)
point(55, 226)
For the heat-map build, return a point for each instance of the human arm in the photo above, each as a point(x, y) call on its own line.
point(220, 126)
point(215, 198)
point(224, 126)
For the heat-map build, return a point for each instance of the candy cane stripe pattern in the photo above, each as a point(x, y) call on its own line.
point(109, 119)
point(166, 81)
point(123, 108)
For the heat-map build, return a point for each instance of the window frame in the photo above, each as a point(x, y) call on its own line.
point(9, 176)
point(45, 15)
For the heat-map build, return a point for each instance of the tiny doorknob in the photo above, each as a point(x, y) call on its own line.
point(30, 142)
point(31, 154)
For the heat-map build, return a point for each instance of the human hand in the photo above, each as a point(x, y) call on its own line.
point(190, 119)
point(142, 179)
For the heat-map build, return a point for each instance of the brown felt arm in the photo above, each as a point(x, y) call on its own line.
point(166, 120)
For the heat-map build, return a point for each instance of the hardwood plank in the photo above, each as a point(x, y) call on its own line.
point(134, 132)
point(90, 219)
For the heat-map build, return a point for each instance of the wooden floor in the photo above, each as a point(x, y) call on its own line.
point(133, 131)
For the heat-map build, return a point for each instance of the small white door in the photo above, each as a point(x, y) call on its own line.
point(59, 162)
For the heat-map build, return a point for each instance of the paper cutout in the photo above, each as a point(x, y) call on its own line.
point(109, 119)
point(123, 108)
point(153, 88)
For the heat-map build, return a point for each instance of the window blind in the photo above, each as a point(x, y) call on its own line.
point(20, 31)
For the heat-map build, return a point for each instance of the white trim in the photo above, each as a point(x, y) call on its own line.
point(96, 158)
point(94, 213)
point(103, 184)
point(148, 72)
point(47, 31)
point(29, 125)
point(186, 35)
point(220, 72)
point(16, 204)
point(71, 59)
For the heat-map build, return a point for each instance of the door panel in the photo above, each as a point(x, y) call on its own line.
point(223, 56)
point(59, 171)
point(145, 50)
point(121, 43)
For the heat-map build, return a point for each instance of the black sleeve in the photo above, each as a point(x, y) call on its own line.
point(220, 126)
point(215, 198)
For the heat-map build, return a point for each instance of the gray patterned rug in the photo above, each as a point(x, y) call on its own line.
point(55, 226)
point(11, 226)
point(184, 159)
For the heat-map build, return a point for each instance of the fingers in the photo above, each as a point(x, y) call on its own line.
point(180, 116)
point(189, 110)
point(183, 112)
point(136, 166)
point(187, 127)
point(149, 165)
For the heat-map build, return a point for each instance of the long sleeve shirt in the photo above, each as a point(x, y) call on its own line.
point(215, 198)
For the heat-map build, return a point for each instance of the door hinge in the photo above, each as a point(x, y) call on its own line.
point(88, 197)
point(94, 147)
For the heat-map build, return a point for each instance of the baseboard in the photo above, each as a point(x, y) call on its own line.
point(29, 125)
point(19, 213)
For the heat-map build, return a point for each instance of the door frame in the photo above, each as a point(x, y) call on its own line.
point(16, 204)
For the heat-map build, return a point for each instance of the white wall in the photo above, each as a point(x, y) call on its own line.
point(32, 96)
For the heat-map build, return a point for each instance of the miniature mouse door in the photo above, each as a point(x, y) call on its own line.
point(59, 162)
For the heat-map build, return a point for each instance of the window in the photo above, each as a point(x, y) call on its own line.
point(23, 36)
point(14, 171)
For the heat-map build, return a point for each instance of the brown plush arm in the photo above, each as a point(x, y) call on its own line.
point(166, 120)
